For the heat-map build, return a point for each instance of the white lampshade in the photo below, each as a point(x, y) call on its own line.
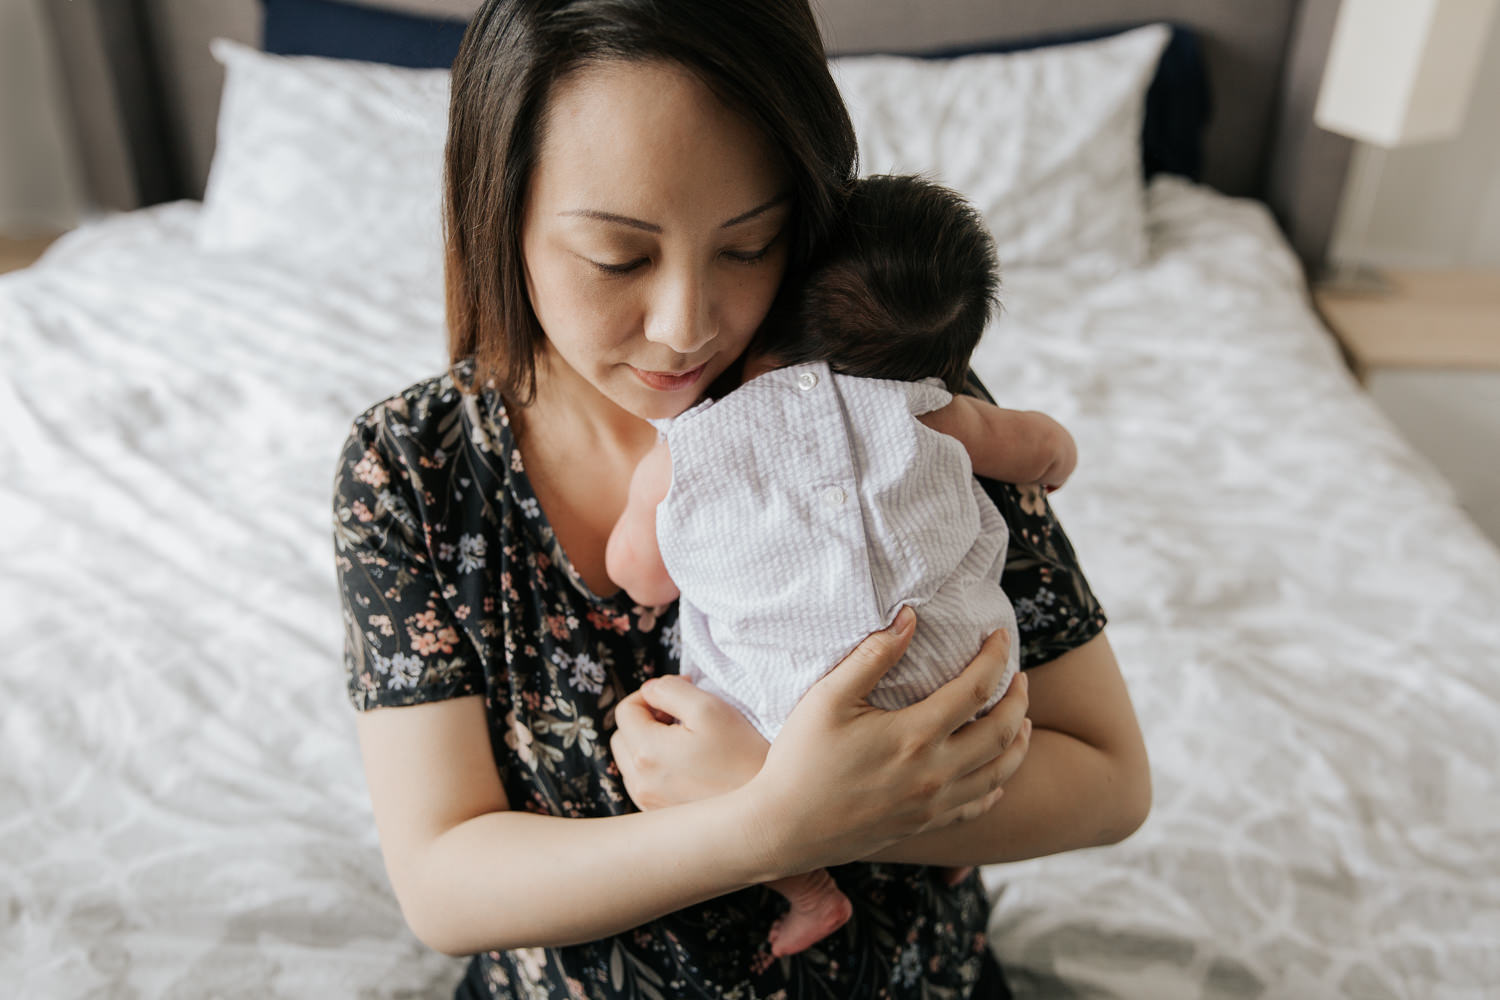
point(1401, 71)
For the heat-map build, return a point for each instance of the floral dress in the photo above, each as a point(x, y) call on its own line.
point(454, 584)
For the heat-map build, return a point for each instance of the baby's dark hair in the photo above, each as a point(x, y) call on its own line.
point(903, 290)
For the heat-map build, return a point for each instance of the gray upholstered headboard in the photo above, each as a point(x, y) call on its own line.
point(145, 91)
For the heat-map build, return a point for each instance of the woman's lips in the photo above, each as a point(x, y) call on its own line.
point(669, 381)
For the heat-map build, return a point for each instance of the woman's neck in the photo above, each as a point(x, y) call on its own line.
point(580, 450)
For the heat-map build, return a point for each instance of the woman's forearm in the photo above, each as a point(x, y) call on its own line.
point(473, 873)
point(516, 879)
point(1066, 795)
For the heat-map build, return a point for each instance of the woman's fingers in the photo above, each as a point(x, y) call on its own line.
point(976, 793)
point(996, 771)
point(981, 740)
point(853, 678)
point(962, 698)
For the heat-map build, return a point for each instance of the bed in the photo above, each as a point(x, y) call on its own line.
point(1309, 625)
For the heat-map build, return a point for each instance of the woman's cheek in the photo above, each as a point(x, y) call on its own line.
point(598, 306)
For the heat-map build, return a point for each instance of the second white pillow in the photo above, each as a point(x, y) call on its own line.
point(1046, 142)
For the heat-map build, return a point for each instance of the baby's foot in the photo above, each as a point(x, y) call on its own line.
point(818, 908)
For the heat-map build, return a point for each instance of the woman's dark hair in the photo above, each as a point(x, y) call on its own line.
point(764, 58)
point(903, 288)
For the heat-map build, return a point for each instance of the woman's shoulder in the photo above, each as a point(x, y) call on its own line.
point(444, 413)
point(422, 407)
point(431, 425)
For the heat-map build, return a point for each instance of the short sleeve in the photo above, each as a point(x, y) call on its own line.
point(401, 646)
point(1055, 609)
point(926, 396)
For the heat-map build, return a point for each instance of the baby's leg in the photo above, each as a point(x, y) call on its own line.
point(819, 908)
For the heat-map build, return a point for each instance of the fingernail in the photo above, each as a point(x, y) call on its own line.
point(903, 621)
point(1025, 681)
point(1026, 728)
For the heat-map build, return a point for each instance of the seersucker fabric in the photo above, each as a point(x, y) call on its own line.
point(806, 508)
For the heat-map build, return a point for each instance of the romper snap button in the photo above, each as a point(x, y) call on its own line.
point(834, 495)
point(807, 380)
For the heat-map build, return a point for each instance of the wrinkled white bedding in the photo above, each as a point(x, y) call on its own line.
point(1309, 626)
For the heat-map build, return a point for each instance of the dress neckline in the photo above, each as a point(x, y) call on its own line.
point(518, 483)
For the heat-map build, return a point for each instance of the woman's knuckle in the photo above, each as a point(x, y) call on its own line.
point(928, 788)
point(912, 746)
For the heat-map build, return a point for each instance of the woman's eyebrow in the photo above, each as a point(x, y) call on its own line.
point(757, 210)
point(651, 227)
point(619, 220)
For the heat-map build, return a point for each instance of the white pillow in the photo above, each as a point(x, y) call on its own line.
point(330, 163)
point(1045, 142)
point(338, 164)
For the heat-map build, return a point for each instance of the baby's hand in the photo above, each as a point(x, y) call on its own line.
point(1063, 450)
point(1024, 447)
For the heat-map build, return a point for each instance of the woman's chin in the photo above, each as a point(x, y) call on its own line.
point(663, 406)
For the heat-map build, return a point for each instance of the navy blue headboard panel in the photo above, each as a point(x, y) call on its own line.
point(345, 31)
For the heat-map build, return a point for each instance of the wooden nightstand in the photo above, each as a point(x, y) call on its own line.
point(1428, 351)
point(1429, 319)
point(18, 253)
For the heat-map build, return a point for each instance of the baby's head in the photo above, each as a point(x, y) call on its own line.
point(903, 291)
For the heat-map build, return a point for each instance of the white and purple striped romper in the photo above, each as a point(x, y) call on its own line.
point(806, 508)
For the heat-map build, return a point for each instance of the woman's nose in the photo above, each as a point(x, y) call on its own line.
point(681, 314)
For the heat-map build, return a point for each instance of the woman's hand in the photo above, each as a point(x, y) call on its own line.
point(675, 744)
point(845, 779)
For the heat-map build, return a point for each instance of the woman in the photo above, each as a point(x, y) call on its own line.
point(627, 183)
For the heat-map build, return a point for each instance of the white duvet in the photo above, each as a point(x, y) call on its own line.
point(1309, 626)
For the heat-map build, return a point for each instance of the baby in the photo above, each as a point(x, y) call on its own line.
point(800, 512)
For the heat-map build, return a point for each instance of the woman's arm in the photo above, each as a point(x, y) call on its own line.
point(1084, 780)
point(1012, 446)
point(633, 558)
point(471, 874)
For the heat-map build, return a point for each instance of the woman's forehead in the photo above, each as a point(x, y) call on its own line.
point(648, 132)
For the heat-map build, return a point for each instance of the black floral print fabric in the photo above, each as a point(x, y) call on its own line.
point(453, 584)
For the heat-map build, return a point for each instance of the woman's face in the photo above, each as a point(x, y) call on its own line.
point(654, 234)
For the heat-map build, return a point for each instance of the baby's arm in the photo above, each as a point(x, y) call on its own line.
point(632, 558)
point(1013, 446)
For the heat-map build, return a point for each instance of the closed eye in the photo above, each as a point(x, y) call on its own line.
point(752, 256)
point(624, 268)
